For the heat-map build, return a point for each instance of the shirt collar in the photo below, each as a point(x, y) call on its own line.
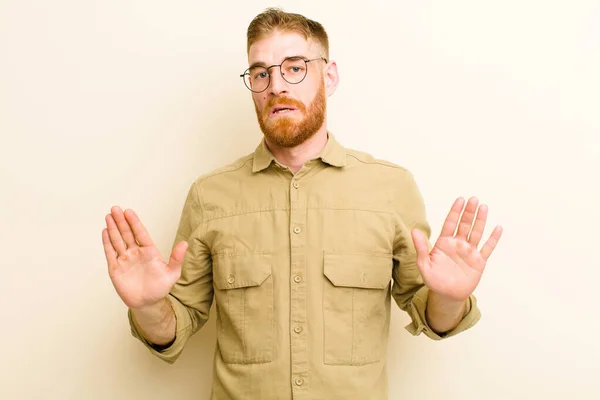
point(262, 157)
point(333, 154)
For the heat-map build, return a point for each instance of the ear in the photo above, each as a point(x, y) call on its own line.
point(331, 77)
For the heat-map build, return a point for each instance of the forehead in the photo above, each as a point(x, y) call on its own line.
point(278, 45)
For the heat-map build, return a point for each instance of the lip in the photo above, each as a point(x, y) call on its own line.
point(274, 109)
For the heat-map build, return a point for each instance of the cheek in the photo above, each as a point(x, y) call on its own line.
point(308, 96)
point(259, 100)
point(260, 97)
point(310, 90)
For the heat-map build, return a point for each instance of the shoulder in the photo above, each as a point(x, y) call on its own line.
point(356, 158)
point(240, 167)
point(398, 180)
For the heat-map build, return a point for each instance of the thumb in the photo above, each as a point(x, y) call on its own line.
point(177, 255)
point(421, 246)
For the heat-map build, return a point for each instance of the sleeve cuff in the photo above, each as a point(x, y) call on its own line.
point(182, 333)
point(419, 320)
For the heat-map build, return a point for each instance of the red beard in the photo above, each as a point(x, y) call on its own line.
point(286, 131)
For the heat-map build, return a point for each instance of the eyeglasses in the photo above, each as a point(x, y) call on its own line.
point(292, 69)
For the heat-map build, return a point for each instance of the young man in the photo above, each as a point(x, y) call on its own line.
point(298, 243)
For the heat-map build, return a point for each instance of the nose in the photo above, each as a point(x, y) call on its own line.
point(278, 84)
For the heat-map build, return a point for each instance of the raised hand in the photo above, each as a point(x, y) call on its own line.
point(138, 273)
point(454, 266)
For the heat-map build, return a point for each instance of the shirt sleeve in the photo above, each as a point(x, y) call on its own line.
point(408, 289)
point(192, 295)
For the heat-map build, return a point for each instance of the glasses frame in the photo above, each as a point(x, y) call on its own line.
point(246, 72)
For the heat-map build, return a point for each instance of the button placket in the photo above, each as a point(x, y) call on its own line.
point(297, 233)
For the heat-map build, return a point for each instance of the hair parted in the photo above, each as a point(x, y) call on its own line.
point(273, 19)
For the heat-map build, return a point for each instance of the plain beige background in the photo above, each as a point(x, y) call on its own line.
point(127, 102)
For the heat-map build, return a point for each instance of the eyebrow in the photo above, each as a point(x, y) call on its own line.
point(262, 64)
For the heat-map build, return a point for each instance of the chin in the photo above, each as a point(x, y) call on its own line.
point(288, 139)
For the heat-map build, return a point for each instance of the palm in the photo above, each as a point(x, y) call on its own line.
point(141, 277)
point(454, 266)
point(137, 271)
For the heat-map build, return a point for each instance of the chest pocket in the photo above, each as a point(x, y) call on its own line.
point(356, 305)
point(244, 300)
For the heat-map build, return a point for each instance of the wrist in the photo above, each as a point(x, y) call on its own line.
point(151, 307)
point(443, 313)
point(156, 322)
point(446, 299)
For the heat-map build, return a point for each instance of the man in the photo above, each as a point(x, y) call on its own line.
point(298, 243)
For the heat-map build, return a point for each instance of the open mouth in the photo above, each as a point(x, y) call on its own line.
point(282, 109)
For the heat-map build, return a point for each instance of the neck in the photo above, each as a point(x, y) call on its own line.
point(295, 157)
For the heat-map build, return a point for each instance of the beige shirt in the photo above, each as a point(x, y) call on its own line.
point(302, 268)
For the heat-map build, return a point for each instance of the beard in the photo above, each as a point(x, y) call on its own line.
point(284, 131)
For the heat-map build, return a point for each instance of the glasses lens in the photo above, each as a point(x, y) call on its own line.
point(256, 79)
point(293, 69)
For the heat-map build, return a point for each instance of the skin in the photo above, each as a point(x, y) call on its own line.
point(451, 270)
point(320, 76)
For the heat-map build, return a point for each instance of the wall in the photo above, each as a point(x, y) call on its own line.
point(127, 102)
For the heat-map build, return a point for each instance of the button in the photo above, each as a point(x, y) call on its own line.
point(231, 279)
point(299, 382)
point(296, 184)
point(297, 230)
point(297, 329)
point(297, 279)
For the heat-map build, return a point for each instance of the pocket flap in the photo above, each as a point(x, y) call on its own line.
point(241, 270)
point(369, 271)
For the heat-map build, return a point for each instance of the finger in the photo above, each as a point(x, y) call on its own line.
point(115, 236)
point(466, 222)
point(139, 231)
point(490, 245)
point(451, 221)
point(479, 226)
point(421, 246)
point(177, 255)
point(109, 251)
point(123, 226)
